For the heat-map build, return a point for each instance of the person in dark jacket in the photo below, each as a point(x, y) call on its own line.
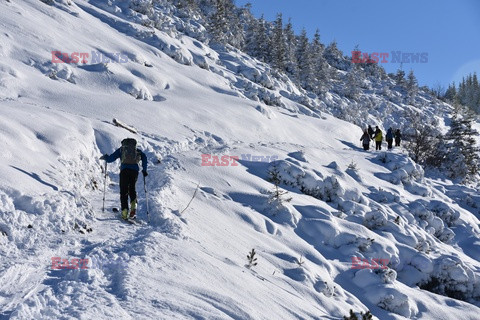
point(130, 156)
point(378, 136)
point(398, 138)
point(389, 138)
point(365, 140)
point(370, 132)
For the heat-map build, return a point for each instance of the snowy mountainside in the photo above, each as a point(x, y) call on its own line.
point(188, 100)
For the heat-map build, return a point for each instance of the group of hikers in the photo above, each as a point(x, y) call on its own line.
point(377, 135)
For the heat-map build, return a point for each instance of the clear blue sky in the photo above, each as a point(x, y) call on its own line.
point(449, 31)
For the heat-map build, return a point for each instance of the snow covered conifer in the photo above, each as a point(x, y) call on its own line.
point(354, 80)
point(277, 195)
point(400, 77)
point(334, 56)
point(258, 40)
point(186, 8)
point(291, 66)
point(278, 44)
point(305, 62)
point(422, 139)
point(464, 159)
point(451, 92)
point(142, 6)
point(218, 26)
point(224, 25)
point(320, 67)
point(412, 87)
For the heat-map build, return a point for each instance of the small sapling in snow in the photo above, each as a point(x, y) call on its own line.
point(276, 198)
point(252, 259)
point(300, 261)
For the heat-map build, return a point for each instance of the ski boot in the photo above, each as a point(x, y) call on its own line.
point(125, 214)
point(133, 209)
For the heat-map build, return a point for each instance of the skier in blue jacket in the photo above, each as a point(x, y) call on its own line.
point(130, 156)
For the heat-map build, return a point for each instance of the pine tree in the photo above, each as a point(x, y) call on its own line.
point(251, 36)
point(305, 62)
point(218, 26)
point(236, 35)
point(354, 79)
point(400, 77)
point(422, 139)
point(451, 93)
point(278, 45)
point(262, 41)
point(291, 66)
point(186, 8)
point(320, 65)
point(412, 87)
point(276, 198)
point(334, 56)
point(224, 24)
point(463, 161)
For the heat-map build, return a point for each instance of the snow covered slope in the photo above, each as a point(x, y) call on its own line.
point(187, 100)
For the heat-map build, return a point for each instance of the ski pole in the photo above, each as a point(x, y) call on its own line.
point(146, 198)
point(104, 186)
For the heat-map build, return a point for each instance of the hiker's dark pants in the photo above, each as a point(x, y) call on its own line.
point(128, 179)
point(366, 147)
point(378, 145)
point(397, 142)
point(390, 142)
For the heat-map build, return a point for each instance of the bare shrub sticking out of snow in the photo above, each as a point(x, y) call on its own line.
point(396, 302)
point(328, 289)
point(252, 259)
point(329, 189)
point(387, 275)
point(375, 219)
point(435, 217)
point(423, 246)
point(364, 244)
point(300, 261)
point(352, 166)
point(353, 316)
point(452, 278)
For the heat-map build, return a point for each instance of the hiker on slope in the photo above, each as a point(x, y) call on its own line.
point(370, 132)
point(389, 138)
point(398, 138)
point(130, 156)
point(365, 140)
point(378, 136)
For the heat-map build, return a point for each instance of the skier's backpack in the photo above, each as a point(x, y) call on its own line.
point(130, 155)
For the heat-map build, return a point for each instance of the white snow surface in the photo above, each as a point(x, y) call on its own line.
point(56, 121)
